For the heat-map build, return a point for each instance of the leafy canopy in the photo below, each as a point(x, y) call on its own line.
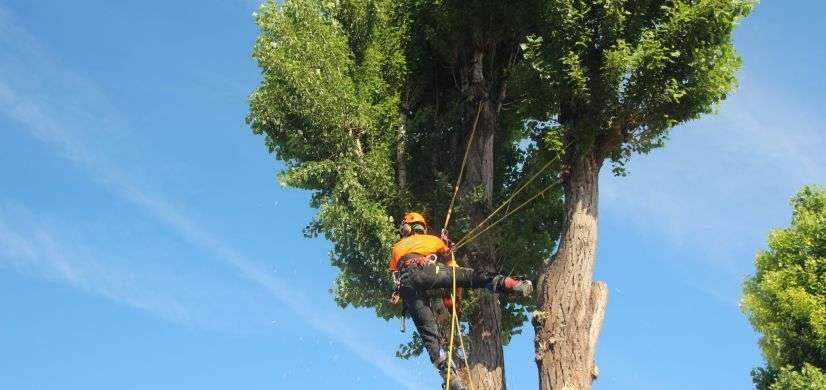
point(347, 83)
point(616, 75)
point(440, 104)
point(328, 106)
point(785, 300)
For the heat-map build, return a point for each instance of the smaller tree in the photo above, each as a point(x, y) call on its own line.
point(785, 300)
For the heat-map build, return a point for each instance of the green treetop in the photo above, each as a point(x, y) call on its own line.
point(328, 106)
point(617, 75)
point(785, 300)
point(361, 100)
point(611, 78)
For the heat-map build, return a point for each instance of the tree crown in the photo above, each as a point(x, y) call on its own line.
point(340, 79)
point(617, 75)
point(785, 300)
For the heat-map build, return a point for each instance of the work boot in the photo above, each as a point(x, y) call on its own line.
point(455, 381)
point(513, 285)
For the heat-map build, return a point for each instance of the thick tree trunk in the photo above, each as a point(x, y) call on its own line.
point(486, 357)
point(487, 363)
point(570, 304)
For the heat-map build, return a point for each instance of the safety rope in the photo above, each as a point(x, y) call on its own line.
point(454, 317)
point(455, 328)
point(462, 168)
point(465, 240)
point(449, 367)
point(462, 344)
point(472, 234)
point(510, 198)
point(454, 321)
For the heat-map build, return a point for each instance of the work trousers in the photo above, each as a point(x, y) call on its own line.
point(417, 279)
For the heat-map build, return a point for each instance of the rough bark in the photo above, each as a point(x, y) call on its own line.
point(599, 301)
point(486, 356)
point(570, 305)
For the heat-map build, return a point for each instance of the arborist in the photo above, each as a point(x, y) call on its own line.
point(421, 262)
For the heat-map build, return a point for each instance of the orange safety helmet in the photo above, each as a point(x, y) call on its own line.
point(410, 219)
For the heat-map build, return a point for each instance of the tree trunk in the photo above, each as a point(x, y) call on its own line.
point(486, 358)
point(570, 304)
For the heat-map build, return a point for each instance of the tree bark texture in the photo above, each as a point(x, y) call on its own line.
point(486, 358)
point(570, 304)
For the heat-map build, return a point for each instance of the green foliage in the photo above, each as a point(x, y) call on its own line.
point(446, 32)
point(621, 73)
point(412, 349)
point(808, 378)
point(786, 298)
point(437, 104)
point(787, 378)
point(341, 78)
point(328, 106)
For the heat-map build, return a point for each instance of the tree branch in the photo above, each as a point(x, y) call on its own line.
point(617, 134)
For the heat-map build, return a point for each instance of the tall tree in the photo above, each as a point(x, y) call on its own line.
point(785, 299)
point(370, 104)
point(462, 54)
point(613, 77)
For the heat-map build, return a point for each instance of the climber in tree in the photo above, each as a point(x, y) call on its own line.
point(421, 262)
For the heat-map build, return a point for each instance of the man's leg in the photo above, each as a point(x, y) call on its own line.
point(416, 303)
point(441, 276)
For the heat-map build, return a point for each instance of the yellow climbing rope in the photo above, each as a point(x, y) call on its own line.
point(454, 328)
point(507, 201)
point(454, 317)
point(462, 168)
point(471, 235)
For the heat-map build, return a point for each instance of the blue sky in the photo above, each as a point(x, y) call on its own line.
point(144, 241)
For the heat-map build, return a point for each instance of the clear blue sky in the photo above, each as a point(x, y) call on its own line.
point(145, 244)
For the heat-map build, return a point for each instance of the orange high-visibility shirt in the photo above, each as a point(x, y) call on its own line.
point(422, 244)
